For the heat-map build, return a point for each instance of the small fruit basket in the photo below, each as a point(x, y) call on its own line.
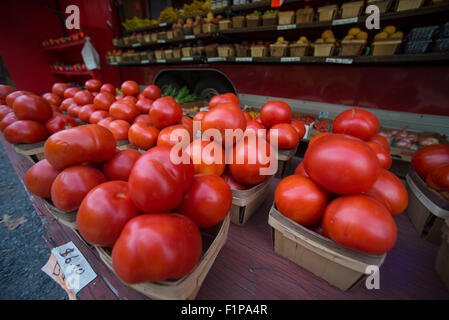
point(351, 9)
point(177, 53)
point(225, 25)
point(187, 51)
point(253, 20)
point(279, 49)
point(159, 54)
point(383, 5)
point(305, 15)
point(352, 47)
point(300, 48)
point(403, 5)
point(242, 50)
point(168, 54)
point(286, 17)
point(270, 18)
point(327, 13)
point(226, 51)
point(386, 42)
point(324, 46)
point(238, 22)
point(209, 27)
point(259, 51)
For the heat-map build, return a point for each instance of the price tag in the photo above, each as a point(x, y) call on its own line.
point(77, 271)
point(339, 60)
point(189, 36)
point(204, 108)
point(290, 59)
point(161, 41)
point(187, 59)
point(163, 24)
point(286, 27)
point(161, 61)
point(136, 45)
point(323, 115)
point(113, 63)
point(216, 59)
point(244, 59)
point(144, 61)
point(344, 21)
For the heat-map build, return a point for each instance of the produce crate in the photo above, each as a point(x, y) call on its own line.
point(352, 47)
point(252, 21)
point(385, 47)
point(33, 151)
point(422, 33)
point(162, 35)
point(286, 17)
point(416, 46)
point(269, 20)
point(351, 9)
point(246, 202)
point(187, 30)
point(187, 287)
point(403, 5)
point(170, 35)
point(284, 157)
point(299, 49)
point(224, 25)
point(146, 38)
point(241, 51)
point(383, 5)
point(168, 54)
point(327, 13)
point(227, 51)
point(325, 49)
point(153, 37)
point(211, 51)
point(209, 27)
point(427, 209)
point(199, 51)
point(187, 51)
point(196, 29)
point(440, 45)
point(278, 50)
point(177, 53)
point(66, 218)
point(150, 55)
point(238, 22)
point(159, 54)
point(442, 260)
point(304, 15)
point(341, 267)
point(259, 51)
point(178, 33)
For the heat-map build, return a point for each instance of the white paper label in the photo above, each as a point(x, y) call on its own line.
point(76, 269)
point(287, 27)
point(161, 41)
point(144, 61)
point(244, 59)
point(323, 114)
point(161, 61)
point(204, 108)
point(290, 59)
point(136, 45)
point(344, 21)
point(215, 59)
point(113, 63)
point(339, 60)
point(190, 36)
point(187, 59)
point(163, 24)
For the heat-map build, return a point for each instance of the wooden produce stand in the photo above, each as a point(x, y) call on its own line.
point(248, 268)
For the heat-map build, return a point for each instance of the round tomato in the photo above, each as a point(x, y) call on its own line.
point(85, 112)
point(4, 110)
point(59, 88)
point(59, 122)
point(342, 164)
point(73, 110)
point(360, 223)
point(382, 154)
point(5, 90)
point(109, 88)
point(152, 92)
point(130, 88)
point(171, 242)
point(207, 200)
point(226, 98)
point(93, 85)
point(287, 136)
point(231, 181)
point(25, 131)
point(299, 127)
point(66, 103)
point(199, 116)
point(130, 99)
point(39, 178)
point(105, 122)
point(356, 122)
point(83, 97)
point(274, 112)
point(87, 143)
point(104, 212)
point(52, 99)
point(70, 92)
point(143, 136)
point(188, 123)
point(7, 120)
point(144, 105)
point(72, 184)
point(10, 98)
point(430, 157)
point(119, 129)
point(97, 116)
point(170, 136)
point(207, 157)
point(438, 178)
point(258, 119)
point(122, 110)
point(103, 101)
point(32, 107)
point(301, 171)
point(120, 165)
point(165, 112)
point(381, 141)
point(157, 184)
point(300, 199)
point(143, 118)
point(256, 128)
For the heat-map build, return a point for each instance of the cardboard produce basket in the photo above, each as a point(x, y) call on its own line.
point(385, 47)
point(199, 51)
point(238, 22)
point(258, 51)
point(211, 51)
point(197, 29)
point(159, 54)
point(246, 202)
point(351, 9)
point(162, 35)
point(278, 50)
point(188, 286)
point(168, 53)
point(170, 35)
point(269, 20)
point(304, 15)
point(140, 38)
point(341, 267)
point(227, 51)
point(187, 30)
point(299, 49)
point(352, 47)
point(403, 5)
point(286, 17)
point(252, 21)
point(383, 5)
point(209, 27)
point(284, 157)
point(427, 209)
point(150, 55)
point(153, 37)
point(177, 53)
point(187, 51)
point(33, 151)
point(327, 13)
point(325, 49)
point(126, 41)
point(442, 260)
point(177, 33)
point(224, 24)
point(242, 51)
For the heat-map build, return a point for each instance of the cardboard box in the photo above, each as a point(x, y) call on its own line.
point(442, 260)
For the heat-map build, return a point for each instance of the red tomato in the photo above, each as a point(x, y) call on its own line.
point(59, 88)
point(70, 92)
point(188, 123)
point(52, 99)
point(105, 122)
point(66, 103)
point(274, 112)
point(5, 90)
point(130, 88)
point(119, 97)
point(25, 131)
point(430, 157)
point(247, 116)
point(431, 183)
point(231, 181)
point(121, 110)
point(301, 171)
point(85, 112)
point(256, 128)
point(165, 135)
point(39, 178)
point(156, 184)
point(300, 199)
point(382, 154)
point(4, 110)
point(87, 143)
point(341, 164)
point(143, 118)
point(32, 107)
point(103, 101)
point(152, 92)
point(226, 98)
point(144, 105)
point(104, 212)
point(97, 116)
point(207, 201)
point(120, 165)
point(381, 141)
point(258, 119)
point(72, 184)
point(109, 88)
point(119, 129)
point(207, 157)
point(165, 112)
point(360, 223)
point(439, 178)
point(83, 97)
point(59, 122)
point(299, 127)
point(356, 122)
point(287, 136)
point(171, 242)
point(130, 99)
point(389, 190)
point(199, 116)
point(10, 98)
point(322, 134)
point(73, 110)
point(7, 120)
point(140, 96)
point(93, 85)
point(143, 136)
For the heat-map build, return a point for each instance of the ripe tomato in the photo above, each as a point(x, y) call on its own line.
point(87, 143)
point(25, 131)
point(143, 118)
point(430, 157)
point(72, 184)
point(93, 85)
point(165, 135)
point(70, 92)
point(120, 165)
point(144, 105)
point(389, 190)
point(171, 242)
point(360, 223)
point(105, 122)
point(83, 97)
point(301, 171)
point(152, 92)
point(103, 101)
point(274, 112)
point(207, 157)
point(199, 116)
point(122, 110)
point(381, 141)
point(231, 181)
point(287, 136)
point(39, 178)
point(7, 120)
point(97, 116)
point(438, 178)
point(59, 122)
point(258, 119)
point(73, 110)
point(130, 88)
point(32, 107)
point(130, 99)
point(207, 200)
point(119, 97)
point(4, 110)
point(5, 90)
point(256, 128)
point(299, 127)
point(109, 88)
point(66, 103)
point(52, 99)
point(247, 161)
point(85, 112)
point(226, 98)
point(342, 164)
point(104, 212)
point(356, 122)
point(188, 123)
point(10, 98)
point(322, 134)
point(165, 112)
point(247, 116)
point(119, 129)
point(143, 136)
point(59, 88)
point(300, 199)
point(382, 154)
point(156, 184)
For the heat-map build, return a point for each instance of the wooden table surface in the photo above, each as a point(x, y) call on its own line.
point(248, 268)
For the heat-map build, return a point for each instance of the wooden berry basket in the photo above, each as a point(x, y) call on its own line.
point(224, 25)
point(177, 33)
point(286, 17)
point(352, 47)
point(162, 35)
point(259, 51)
point(153, 37)
point(197, 29)
point(238, 22)
point(325, 49)
point(187, 30)
point(341, 267)
point(304, 15)
point(170, 35)
point(383, 5)
point(284, 157)
point(252, 21)
point(66, 218)
point(269, 20)
point(187, 287)
point(385, 47)
point(246, 202)
point(168, 53)
point(442, 260)
point(187, 51)
point(177, 53)
point(278, 50)
point(299, 49)
point(351, 9)
point(226, 51)
point(159, 54)
point(327, 13)
point(403, 5)
point(209, 27)
point(33, 151)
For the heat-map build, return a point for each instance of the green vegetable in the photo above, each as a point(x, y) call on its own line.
point(182, 93)
point(190, 98)
point(271, 12)
point(255, 13)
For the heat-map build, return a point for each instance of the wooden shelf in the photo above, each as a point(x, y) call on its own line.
point(185, 38)
point(73, 73)
point(67, 45)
